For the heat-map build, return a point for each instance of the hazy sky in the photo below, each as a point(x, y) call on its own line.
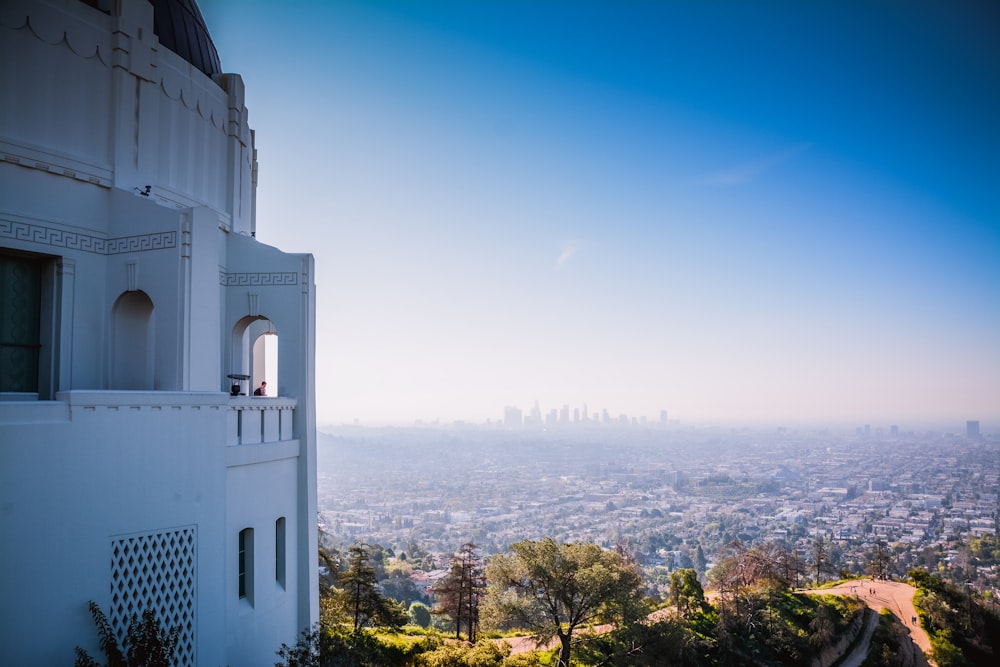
point(729, 210)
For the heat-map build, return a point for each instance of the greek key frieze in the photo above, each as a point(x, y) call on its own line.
point(271, 279)
point(141, 243)
point(59, 238)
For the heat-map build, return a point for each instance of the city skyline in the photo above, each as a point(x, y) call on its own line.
point(778, 212)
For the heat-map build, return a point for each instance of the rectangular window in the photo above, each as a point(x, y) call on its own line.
point(279, 551)
point(20, 322)
point(246, 565)
point(30, 318)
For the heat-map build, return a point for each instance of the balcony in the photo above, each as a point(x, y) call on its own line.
point(254, 420)
point(249, 420)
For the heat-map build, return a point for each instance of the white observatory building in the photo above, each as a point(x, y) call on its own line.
point(137, 315)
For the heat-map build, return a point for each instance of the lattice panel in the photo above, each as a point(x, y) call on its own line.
point(156, 571)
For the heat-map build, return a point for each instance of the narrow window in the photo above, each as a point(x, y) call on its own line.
point(279, 551)
point(246, 564)
point(20, 330)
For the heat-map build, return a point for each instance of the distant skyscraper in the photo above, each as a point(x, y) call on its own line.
point(894, 430)
point(663, 416)
point(512, 417)
point(972, 429)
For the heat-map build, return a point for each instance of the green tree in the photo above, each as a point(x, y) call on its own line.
point(341, 647)
point(146, 643)
point(555, 589)
point(686, 593)
point(879, 560)
point(669, 641)
point(822, 628)
point(420, 614)
point(458, 593)
point(360, 597)
point(821, 559)
point(749, 581)
point(700, 562)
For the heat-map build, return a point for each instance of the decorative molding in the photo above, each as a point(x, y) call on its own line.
point(132, 268)
point(141, 243)
point(55, 28)
point(254, 309)
point(266, 279)
point(306, 280)
point(59, 238)
point(54, 162)
point(66, 267)
point(114, 48)
point(186, 228)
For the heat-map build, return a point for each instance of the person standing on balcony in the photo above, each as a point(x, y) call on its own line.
point(261, 390)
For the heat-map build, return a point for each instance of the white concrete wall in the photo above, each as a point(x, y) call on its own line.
point(94, 109)
point(258, 494)
point(104, 464)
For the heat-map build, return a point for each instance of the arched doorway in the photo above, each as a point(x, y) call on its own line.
point(254, 352)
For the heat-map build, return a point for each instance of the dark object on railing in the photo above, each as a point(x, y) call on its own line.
point(237, 388)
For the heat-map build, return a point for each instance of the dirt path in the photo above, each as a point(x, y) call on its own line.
point(878, 595)
point(857, 657)
point(892, 595)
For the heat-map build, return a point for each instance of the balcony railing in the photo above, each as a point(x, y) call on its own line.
point(249, 420)
point(254, 420)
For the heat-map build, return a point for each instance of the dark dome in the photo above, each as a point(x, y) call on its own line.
point(181, 28)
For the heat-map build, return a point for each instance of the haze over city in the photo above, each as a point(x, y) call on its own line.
point(731, 211)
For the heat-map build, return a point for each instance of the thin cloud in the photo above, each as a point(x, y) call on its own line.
point(566, 253)
point(748, 172)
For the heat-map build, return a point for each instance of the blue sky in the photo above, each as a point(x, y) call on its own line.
point(768, 211)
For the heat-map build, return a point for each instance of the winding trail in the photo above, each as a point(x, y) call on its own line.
point(857, 657)
point(895, 596)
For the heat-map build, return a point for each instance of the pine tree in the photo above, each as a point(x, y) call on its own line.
point(360, 596)
point(458, 593)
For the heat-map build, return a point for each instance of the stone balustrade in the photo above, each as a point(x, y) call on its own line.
point(249, 420)
point(254, 420)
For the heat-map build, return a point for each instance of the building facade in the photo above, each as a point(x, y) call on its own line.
point(137, 314)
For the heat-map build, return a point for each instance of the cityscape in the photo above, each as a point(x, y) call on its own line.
point(606, 334)
point(514, 417)
point(668, 491)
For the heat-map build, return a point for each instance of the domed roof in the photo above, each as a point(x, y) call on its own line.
point(181, 28)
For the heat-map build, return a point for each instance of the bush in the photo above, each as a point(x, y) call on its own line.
point(484, 653)
point(146, 643)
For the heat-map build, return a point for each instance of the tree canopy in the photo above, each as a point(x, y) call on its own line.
point(459, 591)
point(554, 589)
point(361, 599)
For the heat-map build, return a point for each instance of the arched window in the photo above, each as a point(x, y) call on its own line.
point(245, 565)
point(279, 551)
point(132, 342)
